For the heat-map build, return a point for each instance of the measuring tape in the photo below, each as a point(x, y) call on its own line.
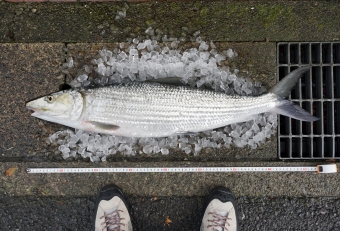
point(331, 168)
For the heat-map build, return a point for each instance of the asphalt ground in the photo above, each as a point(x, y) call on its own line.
point(149, 213)
point(36, 39)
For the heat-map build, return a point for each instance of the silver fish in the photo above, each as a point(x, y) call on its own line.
point(151, 109)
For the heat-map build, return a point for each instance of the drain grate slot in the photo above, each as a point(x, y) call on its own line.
point(318, 92)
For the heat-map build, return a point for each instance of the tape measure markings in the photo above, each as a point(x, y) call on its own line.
point(332, 168)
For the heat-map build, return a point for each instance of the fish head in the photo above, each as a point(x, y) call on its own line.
point(58, 107)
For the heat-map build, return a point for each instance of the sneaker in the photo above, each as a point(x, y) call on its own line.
point(111, 211)
point(220, 212)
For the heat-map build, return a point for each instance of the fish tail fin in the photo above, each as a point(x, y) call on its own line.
point(285, 86)
point(288, 108)
point(282, 89)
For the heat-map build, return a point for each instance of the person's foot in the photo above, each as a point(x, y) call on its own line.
point(220, 211)
point(111, 211)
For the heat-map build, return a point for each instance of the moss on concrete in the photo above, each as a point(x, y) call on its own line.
point(218, 21)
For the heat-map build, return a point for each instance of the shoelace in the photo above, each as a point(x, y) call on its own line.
point(112, 219)
point(219, 221)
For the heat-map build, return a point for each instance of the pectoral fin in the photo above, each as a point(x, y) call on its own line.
point(104, 126)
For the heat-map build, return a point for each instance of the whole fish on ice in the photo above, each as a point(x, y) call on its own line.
point(148, 109)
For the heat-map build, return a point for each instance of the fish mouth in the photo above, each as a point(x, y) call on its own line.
point(32, 110)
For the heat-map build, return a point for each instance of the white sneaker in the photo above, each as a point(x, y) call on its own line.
point(111, 212)
point(221, 212)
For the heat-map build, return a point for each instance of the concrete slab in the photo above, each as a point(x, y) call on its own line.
point(255, 184)
point(217, 20)
point(27, 71)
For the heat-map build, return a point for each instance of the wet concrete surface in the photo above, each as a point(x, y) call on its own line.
point(149, 213)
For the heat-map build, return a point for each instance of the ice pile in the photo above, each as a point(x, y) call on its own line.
point(200, 66)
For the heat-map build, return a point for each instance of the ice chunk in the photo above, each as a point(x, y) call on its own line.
point(174, 44)
point(147, 149)
point(196, 33)
point(94, 158)
point(81, 150)
point(149, 31)
point(165, 151)
point(187, 150)
point(204, 56)
point(182, 145)
point(255, 127)
point(122, 55)
point(197, 149)
point(249, 133)
point(212, 45)
point(79, 133)
point(112, 151)
point(66, 150)
point(230, 53)
point(121, 148)
point(65, 155)
point(134, 52)
point(203, 46)
point(141, 46)
point(183, 140)
point(74, 83)
point(53, 138)
point(74, 139)
point(73, 153)
point(234, 134)
point(219, 58)
point(156, 149)
point(135, 41)
point(70, 63)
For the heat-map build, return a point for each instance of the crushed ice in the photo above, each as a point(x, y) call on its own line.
point(148, 59)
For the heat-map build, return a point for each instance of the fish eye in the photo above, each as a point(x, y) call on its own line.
point(49, 99)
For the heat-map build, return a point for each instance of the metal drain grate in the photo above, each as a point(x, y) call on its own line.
point(318, 92)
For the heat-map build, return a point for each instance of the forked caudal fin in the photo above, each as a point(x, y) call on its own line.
point(282, 89)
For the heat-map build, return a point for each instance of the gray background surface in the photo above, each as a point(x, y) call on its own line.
point(37, 38)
